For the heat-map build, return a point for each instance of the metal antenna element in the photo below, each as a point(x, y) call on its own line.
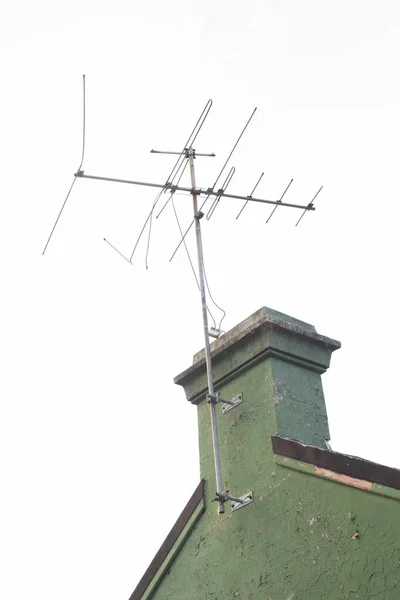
point(186, 158)
point(280, 200)
point(168, 199)
point(184, 164)
point(189, 142)
point(79, 168)
point(199, 191)
point(222, 190)
point(250, 196)
point(192, 137)
point(175, 169)
point(310, 206)
point(211, 190)
point(234, 147)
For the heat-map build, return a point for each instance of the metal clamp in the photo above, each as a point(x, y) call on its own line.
point(229, 404)
point(214, 332)
point(242, 501)
point(226, 404)
point(236, 502)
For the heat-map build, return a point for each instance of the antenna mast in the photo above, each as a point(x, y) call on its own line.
point(171, 185)
point(211, 398)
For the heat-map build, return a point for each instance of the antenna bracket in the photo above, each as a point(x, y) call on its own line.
point(212, 398)
point(236, 502)
point(214, 332)
point(226, 404)
point(242, 501)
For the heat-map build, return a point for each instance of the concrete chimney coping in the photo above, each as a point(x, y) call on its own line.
point(264, 316)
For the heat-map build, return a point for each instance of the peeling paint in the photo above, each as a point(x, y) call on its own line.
point(361, 484)
point(296, 540)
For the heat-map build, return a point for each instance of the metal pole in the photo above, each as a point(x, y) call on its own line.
point(200, 191)
point(211, 395)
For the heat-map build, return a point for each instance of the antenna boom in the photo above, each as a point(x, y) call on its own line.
point(196, 191)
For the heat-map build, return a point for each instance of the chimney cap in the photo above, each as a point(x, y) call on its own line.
point(264, 317)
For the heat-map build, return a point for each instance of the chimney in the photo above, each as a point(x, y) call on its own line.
point(275, 362)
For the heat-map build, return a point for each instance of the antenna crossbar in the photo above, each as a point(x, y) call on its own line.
point(196, 191)
point(212, 155)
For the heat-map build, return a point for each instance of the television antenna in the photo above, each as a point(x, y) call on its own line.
point(186, 157)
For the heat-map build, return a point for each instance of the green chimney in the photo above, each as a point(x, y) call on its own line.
point(323, 527)
point(275, 362)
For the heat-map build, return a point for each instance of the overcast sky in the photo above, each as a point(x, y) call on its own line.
point(98, 447)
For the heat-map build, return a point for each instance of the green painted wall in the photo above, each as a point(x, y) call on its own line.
point(304, 537)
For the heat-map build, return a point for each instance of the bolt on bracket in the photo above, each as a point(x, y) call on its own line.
point(229, 404)
point(242, 501)
point(226, 404)
point(236, 502)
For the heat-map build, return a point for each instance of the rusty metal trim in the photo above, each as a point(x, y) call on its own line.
point(352, 466)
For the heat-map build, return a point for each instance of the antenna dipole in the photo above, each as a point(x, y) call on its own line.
point(80, 165)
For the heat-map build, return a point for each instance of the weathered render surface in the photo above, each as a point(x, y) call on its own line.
point(308, 534)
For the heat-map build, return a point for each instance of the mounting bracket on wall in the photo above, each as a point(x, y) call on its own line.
point(242, 501)
point(236, 502)
point(229, 404)
point(226, 404)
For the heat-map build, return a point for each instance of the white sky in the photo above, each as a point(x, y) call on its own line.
point(98, 447)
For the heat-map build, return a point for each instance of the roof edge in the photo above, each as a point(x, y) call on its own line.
point(344, 464)
point(172, 544)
